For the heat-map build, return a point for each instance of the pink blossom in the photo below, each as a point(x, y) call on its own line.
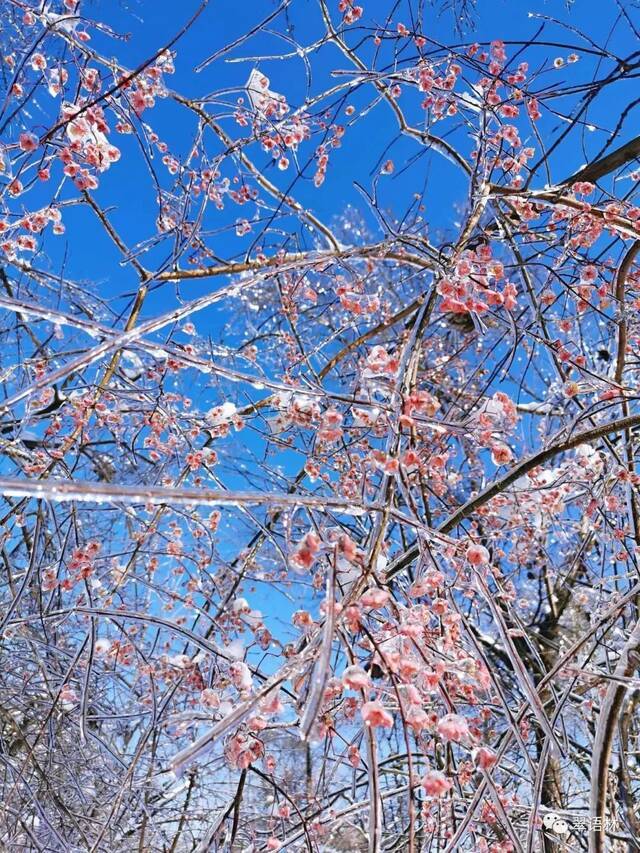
point(38, 62)
point(501, 454)
point(210, 699)
point(374, 715)
point(305, 554)
point(435, 783)
point(375, 598)
point(242, 750)
point(28, 141)
point(241, 675)
point(484, 757)
point(417, 718)
point(453, 727)
point(353, 756)
point(355, 678)
point(477, 555)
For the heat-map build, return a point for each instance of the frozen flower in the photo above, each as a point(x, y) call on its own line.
point(375, 598)
point(435, 783)
point(477, 555)
point(484, 758)
point(453, 727)
point(374, 714)
point(355, 678)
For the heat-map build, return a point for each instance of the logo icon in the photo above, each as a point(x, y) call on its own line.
point(555, 823)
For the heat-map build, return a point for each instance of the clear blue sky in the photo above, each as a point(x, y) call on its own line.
point(151, 23)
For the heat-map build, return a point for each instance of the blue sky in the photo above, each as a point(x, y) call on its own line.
point(150, 24)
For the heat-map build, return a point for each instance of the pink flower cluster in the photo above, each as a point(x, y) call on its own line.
point(477, 284)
